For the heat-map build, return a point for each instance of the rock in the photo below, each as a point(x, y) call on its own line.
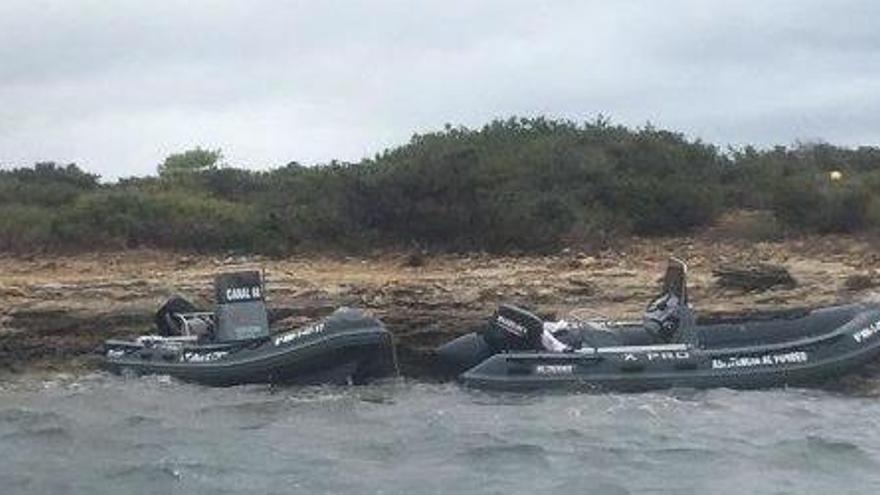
point(753, 277)
point(416, 259)
point(580, 285)
point(859, 282)
point(12, 291)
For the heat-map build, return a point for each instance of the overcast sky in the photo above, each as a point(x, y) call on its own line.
point(115, 86)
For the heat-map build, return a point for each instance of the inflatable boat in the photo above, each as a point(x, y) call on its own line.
point(669, 347)
point(233, 344)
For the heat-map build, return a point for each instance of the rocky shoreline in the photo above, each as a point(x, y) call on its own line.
point(56, 310)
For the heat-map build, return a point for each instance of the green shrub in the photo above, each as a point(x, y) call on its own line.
point(750, 225)
point(514, 184)
point(174, 219)
point(806, 204)
point(25, 228)
point(46, 184)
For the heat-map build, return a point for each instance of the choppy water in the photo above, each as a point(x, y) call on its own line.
point(104, 434)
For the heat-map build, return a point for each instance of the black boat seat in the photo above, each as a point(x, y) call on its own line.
point(669, 317)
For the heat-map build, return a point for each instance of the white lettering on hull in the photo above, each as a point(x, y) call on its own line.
point(867, 332)
point(298, 334)
point(554, 369)
point(115, 353)
point(203, 357)
point(795, 357)
point(657, 356)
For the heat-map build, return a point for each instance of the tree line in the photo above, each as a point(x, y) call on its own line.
point(517, 184)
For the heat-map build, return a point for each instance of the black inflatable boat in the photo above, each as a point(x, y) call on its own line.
point(668, 348)
point(233, 345)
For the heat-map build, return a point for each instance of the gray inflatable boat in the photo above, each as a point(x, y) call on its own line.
point(668, 348)
point(233, 344)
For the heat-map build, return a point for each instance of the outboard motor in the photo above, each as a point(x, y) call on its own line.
point(166, 319)
point(669, 317)
point(510, 328)
point(514, 329)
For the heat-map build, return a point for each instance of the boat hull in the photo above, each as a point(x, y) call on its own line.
point(351, 355)
point(810, 357)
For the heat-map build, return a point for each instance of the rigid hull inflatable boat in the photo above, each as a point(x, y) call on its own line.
point(233, 345)
point(669, 348)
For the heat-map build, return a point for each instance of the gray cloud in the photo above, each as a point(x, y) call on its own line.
point(116, 86)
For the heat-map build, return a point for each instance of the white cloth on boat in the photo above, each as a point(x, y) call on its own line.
point(549, 341)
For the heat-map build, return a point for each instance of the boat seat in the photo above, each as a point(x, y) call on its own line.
point(669, 317)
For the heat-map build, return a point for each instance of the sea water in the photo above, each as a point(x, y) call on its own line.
point(105, 434)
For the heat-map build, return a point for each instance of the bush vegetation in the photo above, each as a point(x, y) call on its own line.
point(516, 184)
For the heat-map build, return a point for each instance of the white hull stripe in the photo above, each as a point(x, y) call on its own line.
point(636, 349)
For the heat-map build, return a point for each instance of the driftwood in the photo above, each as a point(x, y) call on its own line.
point(753, 277)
